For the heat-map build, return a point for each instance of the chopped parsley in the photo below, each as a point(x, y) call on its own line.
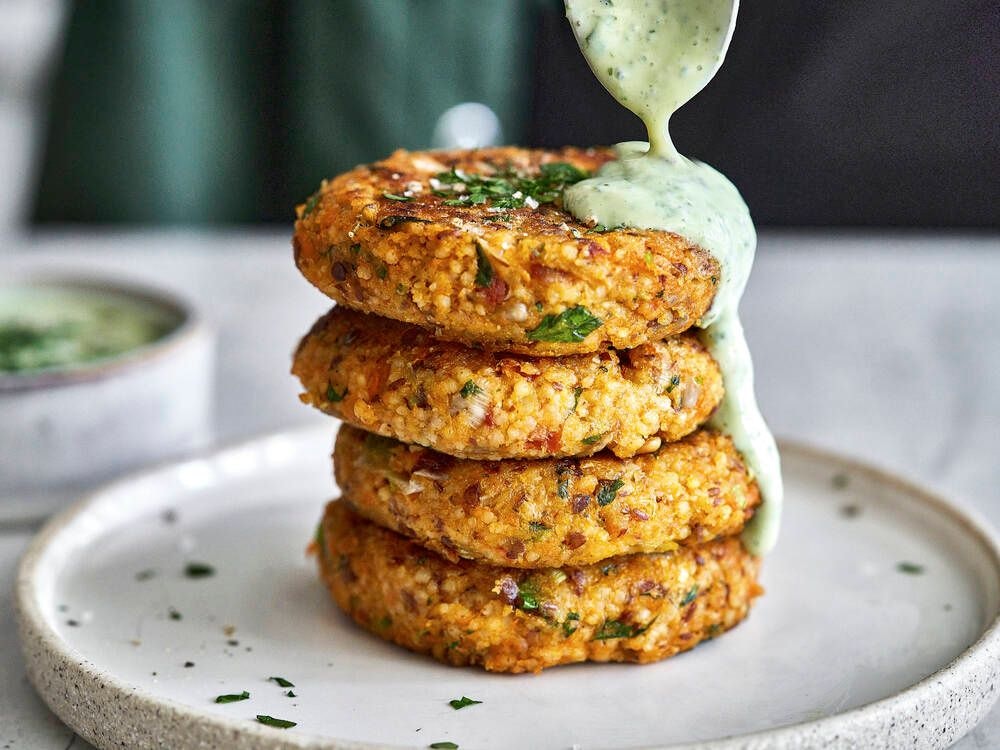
point(332, 396)
point(385, 622)
point(198, 570)
point(570, 326)
point(608, 491)
point(484, 271)
point(562, 489)
point(443, 746)
point(910, 568)
point(470, 389)
point(507, 189)
point(173, 614)
point(601, 228)
point(571, 623)
point(462, 702)
point(689, 596)
point(529, 596)
point(674, 382)
point(290, 694)
point(577, 392)
point(616, 629)
point(232, 697)
point(282, 682)
point(394, 197)
point(591, 439)
point(311, 202)
point(537, 529)
point(277, 723)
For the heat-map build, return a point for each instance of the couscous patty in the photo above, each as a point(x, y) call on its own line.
point(398, 381)
point(639, 608)
point(551, 512)
point(475, 246)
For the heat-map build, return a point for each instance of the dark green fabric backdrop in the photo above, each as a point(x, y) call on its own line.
point(826, 113)
point(195, 111)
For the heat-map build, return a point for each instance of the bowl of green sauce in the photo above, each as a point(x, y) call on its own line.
point(97, 377)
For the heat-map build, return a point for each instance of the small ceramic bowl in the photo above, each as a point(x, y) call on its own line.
point(65, 428)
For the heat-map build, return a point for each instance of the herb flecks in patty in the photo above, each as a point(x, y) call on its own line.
point(607, 491)
point(571, 326)
point(612, 629)
point(470, 389)
point(484, 269)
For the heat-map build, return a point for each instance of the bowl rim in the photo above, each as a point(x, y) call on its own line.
point(190, 325)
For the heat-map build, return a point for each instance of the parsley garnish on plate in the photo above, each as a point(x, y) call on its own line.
point(277, 723)
point(443, 746)
point(462, 702)
point(232, 697)
point(910, 568)
point(282, 682)
point(198, 570)
point(570, 326)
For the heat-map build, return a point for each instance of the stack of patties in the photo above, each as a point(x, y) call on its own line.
point(526, 479)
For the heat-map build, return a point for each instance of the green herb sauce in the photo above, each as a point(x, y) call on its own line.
point(653, 56)
point(64, 327)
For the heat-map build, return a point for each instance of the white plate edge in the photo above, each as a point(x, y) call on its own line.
point(972, 665)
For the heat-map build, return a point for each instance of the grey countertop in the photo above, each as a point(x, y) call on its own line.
point(883, 346)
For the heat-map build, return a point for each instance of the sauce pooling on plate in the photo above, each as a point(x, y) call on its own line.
point(653, 56)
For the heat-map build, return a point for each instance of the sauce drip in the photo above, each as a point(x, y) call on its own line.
point(654, 56)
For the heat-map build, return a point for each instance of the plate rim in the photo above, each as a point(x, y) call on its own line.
point(45, 651)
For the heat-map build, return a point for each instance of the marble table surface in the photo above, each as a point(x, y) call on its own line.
point(880, 345)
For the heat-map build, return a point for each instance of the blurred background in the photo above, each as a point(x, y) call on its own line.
point(166, 142)
point(222, 112)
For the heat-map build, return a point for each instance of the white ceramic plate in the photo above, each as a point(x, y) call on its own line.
point(847, 649)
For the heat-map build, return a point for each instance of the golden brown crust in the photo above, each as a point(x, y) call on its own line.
point(640, 608)
point(399, 381)
point(417, 260)
point(552, 512)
